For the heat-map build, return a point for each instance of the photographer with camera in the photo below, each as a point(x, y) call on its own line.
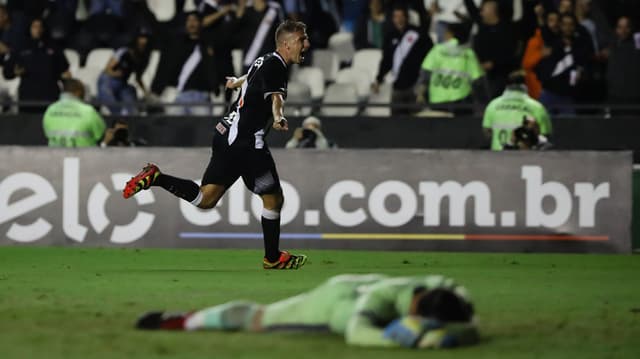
point(506, 112)
point(309, 135)
point(528, 137)
point(119, 135)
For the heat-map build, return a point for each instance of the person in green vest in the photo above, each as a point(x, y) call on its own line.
point(372, 310)
point(451, 73)
point(507, 112)
point(69, 122)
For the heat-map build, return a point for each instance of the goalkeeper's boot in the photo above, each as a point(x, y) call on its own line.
point(286, 261)
point(161, 320)
point(142, 180)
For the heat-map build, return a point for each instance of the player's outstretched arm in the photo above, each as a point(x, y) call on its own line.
point(235, 82)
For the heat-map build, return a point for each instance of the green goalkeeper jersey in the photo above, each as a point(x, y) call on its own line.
point(70, 122)
point(356, 306)
point(453, 69)
point(505, 113)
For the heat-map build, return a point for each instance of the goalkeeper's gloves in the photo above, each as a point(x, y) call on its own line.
point(418, 332)
point(408, 331)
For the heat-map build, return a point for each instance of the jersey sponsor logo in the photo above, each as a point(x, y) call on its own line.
point(222, 129)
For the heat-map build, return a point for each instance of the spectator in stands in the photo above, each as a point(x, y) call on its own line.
point(309, 135)
point(69, 122)
point(446, 12)
point(5, 47)
point(533, 17)
point(40, 66)
point(592, 87)
point(104, 28)
point(113, 83)
point(321, 17)
point(565, 68)
point(613, 9)
point(451, 73)
point(506, 113)
point(369, 30)
point(537, 49)
point(257, 28)
point(623, 73)
point(61, 19)
point(101, 7)
point(584, 17)
point(11, 37)
point(188, 64)
point(137, 15)
point(404, 49)
point(495, 44)
point(24, 11)
point(217, 21)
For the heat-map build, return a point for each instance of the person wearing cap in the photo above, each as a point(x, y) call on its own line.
point(113, 86)
point(309, 135)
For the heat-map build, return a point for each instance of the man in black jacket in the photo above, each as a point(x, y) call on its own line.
point(495, 43)
point(623, 73)
point(256, 28)
point(565, 68)
point(188, 65)
point(404, 48)
point(40, 66)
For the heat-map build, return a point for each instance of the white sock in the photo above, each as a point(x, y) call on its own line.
point(270, 214)
point(198, 199)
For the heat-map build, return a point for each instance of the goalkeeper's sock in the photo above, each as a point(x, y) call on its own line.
point(271, 233)
point(183, 188)
point(236, 315)
point(162, 320)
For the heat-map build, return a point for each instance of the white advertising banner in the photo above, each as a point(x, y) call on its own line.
point(369, 199)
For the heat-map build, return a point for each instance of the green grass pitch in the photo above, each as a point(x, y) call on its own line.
point(82, 303)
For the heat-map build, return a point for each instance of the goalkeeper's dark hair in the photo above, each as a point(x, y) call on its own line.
point(444, 305)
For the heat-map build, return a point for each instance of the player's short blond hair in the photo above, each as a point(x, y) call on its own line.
point(289, 27)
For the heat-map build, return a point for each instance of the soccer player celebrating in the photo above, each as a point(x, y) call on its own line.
point(368, 310)
point(239, 149)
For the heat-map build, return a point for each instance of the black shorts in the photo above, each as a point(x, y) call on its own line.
point(228, 163)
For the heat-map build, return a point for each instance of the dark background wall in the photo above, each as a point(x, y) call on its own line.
point(570, 133)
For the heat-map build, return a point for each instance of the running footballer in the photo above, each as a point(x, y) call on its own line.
point(239, 148)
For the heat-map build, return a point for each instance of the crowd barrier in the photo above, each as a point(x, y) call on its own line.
point(391, 199)
point(569, 133)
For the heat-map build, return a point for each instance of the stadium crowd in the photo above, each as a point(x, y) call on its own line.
point(570, 51)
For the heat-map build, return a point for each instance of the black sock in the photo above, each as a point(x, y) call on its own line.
point(185, 189)
point(271, 233)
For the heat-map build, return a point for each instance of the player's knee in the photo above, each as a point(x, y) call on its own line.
point(279, 201)
point(211, 194)
point(273, 202)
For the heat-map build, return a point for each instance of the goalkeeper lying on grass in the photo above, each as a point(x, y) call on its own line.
point(369, 310)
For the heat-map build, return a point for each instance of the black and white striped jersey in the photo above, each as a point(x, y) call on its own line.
point(253, 109)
